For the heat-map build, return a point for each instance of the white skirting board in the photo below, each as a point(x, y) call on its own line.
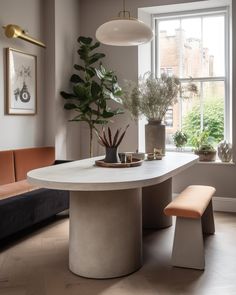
point(222, 204)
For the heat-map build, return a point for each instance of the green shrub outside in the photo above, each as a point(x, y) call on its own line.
point(213, 120)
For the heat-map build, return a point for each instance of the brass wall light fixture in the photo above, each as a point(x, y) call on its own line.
point(14, 31)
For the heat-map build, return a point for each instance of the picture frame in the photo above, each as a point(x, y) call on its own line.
point(21, 98)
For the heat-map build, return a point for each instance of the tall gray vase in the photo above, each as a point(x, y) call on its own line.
point(155, 136)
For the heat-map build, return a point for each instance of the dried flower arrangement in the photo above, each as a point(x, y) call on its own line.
point(152, 96)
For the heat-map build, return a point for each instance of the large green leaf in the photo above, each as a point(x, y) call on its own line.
point(79, 67)
point(95, 89)
point(91, 72)
point(81, 92)
point(107, 114)
point(67, 95)
point(83, 53)
point(85, 40)
point(96, 45)
point(76, 79)
point(95, 57)
point(99, 74)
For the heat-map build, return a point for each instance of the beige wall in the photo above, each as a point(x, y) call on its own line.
point(124, 60)
point(62, 31)
point(21, 131)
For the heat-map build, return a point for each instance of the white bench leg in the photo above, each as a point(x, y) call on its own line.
point(208, 225)
point(188, 248)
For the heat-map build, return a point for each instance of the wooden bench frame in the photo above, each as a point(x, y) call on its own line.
point(188, 246)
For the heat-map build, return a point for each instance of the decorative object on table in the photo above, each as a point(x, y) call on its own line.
point(92, 89)
point(203, 146)
point(21, 83)
point(124, 31)
point(139, 155)
point(14, 31)
point(180, 139)
point(150, 156)
point(122, 157)
point(152, 97)
point(111, 144)
point(129, 157)
point(134, 163)
point(225, 151)
point(156, 155)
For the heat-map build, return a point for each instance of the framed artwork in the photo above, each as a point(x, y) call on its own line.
point(21, 83)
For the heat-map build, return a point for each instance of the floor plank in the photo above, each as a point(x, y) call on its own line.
point(37, 264)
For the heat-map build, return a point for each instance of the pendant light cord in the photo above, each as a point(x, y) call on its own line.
point(124, 13)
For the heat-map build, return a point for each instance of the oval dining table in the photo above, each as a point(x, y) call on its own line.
point(106, 204)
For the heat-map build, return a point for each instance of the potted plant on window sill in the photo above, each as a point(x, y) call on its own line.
point(203, 147)
point(180, 139)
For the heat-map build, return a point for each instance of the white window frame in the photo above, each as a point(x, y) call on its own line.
point(224, 10)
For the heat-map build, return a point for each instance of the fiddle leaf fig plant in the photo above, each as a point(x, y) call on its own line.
point(92, 87)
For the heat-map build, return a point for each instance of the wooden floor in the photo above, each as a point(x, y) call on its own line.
point(37, 264)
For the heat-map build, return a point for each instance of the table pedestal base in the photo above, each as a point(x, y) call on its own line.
point(155, 199)
point(105, 233)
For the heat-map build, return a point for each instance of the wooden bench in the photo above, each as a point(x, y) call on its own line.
point(194, 216)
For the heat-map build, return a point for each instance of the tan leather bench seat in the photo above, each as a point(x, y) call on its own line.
point(192, 202)
point(15, 188)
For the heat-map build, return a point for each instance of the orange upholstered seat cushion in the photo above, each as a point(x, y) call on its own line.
point(192, 202)
point(15, 188)
point(7, 173)
point(32, 158)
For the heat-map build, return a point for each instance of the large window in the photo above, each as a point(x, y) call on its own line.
point(194, 46)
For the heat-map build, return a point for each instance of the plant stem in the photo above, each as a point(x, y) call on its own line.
point(91, 141)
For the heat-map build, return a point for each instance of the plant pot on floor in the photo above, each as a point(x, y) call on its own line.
point(206, 156)
point(155, 136)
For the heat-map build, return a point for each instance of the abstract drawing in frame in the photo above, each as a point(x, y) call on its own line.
point(21, 83)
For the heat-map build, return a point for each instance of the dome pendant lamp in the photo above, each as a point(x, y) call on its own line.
point(124, 31)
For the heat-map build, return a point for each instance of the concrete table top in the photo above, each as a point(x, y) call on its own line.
point(83, 175)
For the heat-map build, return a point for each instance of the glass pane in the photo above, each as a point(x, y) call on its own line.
point(191, 115)
point(169, 38)
point(213, 109)
point(191, 48)
point(213, 46)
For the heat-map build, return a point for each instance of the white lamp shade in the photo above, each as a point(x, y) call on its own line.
point(124, 32)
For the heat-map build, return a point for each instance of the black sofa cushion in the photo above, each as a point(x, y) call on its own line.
point(22, 211)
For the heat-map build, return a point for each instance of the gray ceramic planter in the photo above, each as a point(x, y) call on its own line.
point(112, 155)
point(155, 136)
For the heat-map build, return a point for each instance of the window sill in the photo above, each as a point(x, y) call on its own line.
point(216, 162)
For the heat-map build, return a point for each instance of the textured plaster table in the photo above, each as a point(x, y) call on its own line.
point(106, 209)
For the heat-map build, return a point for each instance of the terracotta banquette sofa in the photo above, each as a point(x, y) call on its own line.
point(22, 204)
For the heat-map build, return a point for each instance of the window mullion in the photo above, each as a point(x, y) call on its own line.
point(180, 71)
point(201, 107)
point(201, 83)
